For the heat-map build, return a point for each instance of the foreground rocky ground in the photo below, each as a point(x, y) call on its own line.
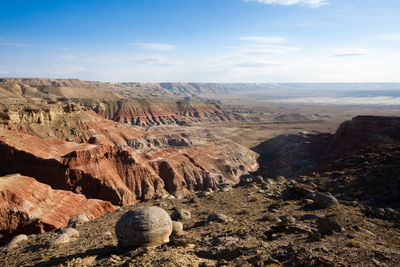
point(267, 222)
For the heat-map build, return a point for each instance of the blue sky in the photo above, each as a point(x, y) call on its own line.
point(202, 40)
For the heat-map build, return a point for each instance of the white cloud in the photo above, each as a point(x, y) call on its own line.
point(390, 37)
point(264, 40)
point(155, 46)
point(309, 3)
point(2, 72)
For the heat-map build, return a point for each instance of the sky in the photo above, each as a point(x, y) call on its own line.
point(202, 40)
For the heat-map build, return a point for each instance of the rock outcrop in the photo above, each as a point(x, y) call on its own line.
point(159, 112)
point(41, 100)
point(30, 207)
point(122, 175)
point(291, 155)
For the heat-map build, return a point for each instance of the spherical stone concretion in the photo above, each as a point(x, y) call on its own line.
point(149, 227)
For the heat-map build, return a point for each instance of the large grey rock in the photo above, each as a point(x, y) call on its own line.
point(325, 200)
point(147, 227)
point(78, 220)
point(15, 241)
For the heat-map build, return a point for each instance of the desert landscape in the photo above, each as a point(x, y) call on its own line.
point(249, 184)
point(200, 133)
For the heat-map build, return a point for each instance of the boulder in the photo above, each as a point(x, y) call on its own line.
point(181, 214)
point(325, 200)
point(59, 239)
point(147, 227)
point(287, 220)
point(218, 217)
point(302, 189)
point(177, 228)
point(15, 241)
point(64, 236)
point(328, 225)
point(71, 232)
point(78, 220)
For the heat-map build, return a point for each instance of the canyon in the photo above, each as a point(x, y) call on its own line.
point(71, 147)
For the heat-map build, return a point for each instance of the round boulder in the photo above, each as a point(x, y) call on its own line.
point(177, 229)
point(148, 227)
point(325, 200)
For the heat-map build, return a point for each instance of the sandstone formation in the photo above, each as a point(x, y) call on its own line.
point(30, 207)
point(158, 112)
point(122, 175)
point(149, 226)
point(42, 100)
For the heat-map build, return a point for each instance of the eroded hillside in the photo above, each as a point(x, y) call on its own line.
point(75, 136)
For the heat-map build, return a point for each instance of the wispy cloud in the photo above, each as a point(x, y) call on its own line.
point(258, 64)
point(264, 49)
point(158, 60)
point(155, 46)
point(353, 52)
point(390, 37)
point(349, 54)
point(309, 3)
point(264, 40)
point(14, 44)
point(2, 72)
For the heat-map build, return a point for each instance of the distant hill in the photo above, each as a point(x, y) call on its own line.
point(75, 88)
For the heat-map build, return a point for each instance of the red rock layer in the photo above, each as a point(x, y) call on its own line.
point(152, 112)
point(30, 207)
point(122, 175)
